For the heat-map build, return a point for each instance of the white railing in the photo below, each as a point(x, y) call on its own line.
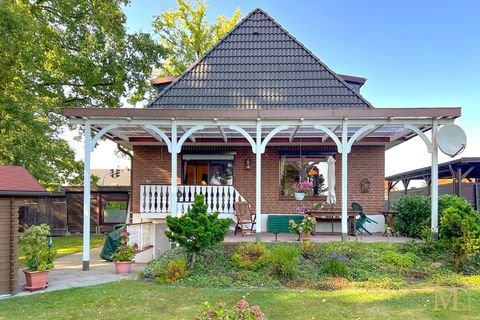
point(141, 234)
point(156, 198)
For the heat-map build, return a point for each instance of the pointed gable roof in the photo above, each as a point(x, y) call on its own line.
point(258, 65)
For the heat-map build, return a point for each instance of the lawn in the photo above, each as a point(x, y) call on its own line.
point(67, 245)
point(144, 300)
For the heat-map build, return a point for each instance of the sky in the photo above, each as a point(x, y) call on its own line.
point(413, 53)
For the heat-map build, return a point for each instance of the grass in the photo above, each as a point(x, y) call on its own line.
point(67, 245)
point(145, 300)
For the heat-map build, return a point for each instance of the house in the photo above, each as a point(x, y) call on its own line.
point(254, 115)
point(17, 188)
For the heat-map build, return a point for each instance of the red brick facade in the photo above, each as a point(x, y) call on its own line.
point(151, 164)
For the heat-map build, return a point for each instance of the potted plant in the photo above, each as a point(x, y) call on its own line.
point(304, 229)
point(301, 189)
point(123, 256)
point(39, 256)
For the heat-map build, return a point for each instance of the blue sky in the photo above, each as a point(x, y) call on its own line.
point(413, 53)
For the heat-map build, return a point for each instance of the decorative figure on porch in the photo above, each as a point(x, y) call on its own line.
point(365, 186)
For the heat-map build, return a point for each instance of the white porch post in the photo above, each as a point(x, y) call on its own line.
point(344, 180)
point(258, 184)
point(86, 198)
point(174, 153)
point(434, 180)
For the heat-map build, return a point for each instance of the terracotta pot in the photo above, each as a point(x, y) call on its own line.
point(36, 280)
point(123, 267)
point(299, 196)
point(305, 235)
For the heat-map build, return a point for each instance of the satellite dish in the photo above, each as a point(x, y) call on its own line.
point(452, 140)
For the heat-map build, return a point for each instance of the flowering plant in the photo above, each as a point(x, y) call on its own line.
point(303, 187)
point(306, 226)
point(124, 252)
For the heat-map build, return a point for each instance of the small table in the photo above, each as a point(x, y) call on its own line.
point(390, 217)
point(335, 215)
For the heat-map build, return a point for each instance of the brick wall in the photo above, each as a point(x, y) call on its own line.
point(153, 163)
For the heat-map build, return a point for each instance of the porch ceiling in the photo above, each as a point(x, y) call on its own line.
point(388, 124)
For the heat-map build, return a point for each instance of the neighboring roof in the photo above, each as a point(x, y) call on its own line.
point(17, 180)
point(443, 170)
point(104, 174)
point(259, 65)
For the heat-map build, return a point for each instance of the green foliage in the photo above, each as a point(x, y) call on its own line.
point(399, 262)
point(306, 226)
point(250, 256)
point(335, 267)
point(154, 268)
point(240, 311)
point(460, 228)
point(414, 215)
point(176, 270)
point(308, 249)
point(197, 230)
point(284, 261)
point(124, 252)
point(57, 54)
point(34, 241)
point(187, 34)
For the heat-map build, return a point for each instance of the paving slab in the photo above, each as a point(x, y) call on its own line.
point(68, 273)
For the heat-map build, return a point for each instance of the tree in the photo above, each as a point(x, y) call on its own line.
point(196, 230)
point(56, 54)
point(187, 35)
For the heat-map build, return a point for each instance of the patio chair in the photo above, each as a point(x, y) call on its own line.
point(360, 224)
point(245, 219)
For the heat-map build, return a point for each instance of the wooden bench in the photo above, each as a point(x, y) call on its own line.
point(278, 223)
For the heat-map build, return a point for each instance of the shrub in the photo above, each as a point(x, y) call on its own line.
point(154, 268)
point(335, 267)
point(460, 228)
point(308, 249)
point(176, 270)
point(37, 248)
point(251, 256)
point(197, 230)
point(414, 215)
point(240, 311)
point(284, 261)
point(398, 262)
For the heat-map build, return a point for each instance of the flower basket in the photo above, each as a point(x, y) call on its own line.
point(123, 267)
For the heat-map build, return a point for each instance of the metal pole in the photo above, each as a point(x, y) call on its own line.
point(86, 198)
point(434, 180)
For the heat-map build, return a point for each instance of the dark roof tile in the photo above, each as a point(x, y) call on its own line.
point(259, 65)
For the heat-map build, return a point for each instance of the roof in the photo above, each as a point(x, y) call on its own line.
point(464, 164)
point(259, 65)
point(17, 180)
point(104, 174)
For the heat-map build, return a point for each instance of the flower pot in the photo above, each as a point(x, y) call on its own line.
point(305, 235)
point(123, 267)
point(36, 280)
point(299, 196)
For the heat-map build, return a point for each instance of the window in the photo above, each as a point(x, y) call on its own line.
point(295, 168)
point(210, 172)
point(114, 211)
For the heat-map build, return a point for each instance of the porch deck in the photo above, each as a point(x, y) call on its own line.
point(286, 237)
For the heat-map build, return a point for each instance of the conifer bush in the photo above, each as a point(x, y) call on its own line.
point(196, 230)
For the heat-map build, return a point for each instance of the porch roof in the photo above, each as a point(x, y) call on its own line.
point(388, 124)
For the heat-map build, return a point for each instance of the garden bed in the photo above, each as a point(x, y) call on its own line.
point(325, 266)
